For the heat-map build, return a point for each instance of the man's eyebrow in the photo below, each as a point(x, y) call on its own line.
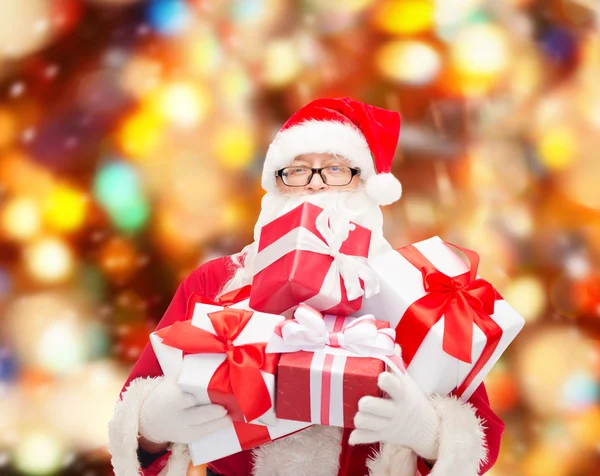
point(299, 159)
point(338, 159)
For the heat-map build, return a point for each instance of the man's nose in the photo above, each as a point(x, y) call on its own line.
point(316, 184)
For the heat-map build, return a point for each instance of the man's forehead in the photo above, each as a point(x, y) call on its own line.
point(323, 157)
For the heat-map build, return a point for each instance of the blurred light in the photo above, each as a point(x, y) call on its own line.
point(234, 146)
point(480, 50)
point(118, 189)
point(451, 14)
point(527, 295)
point(24, 27)
point(405, 17)
point(98, 341)
point(557, 147)
point(580, 392)
point(90, 283)
point(32, 319)
point(169, 17)
point(99, 91)
point(546, 459)
point(115, 2)
point(579, 182)
point(518, 220)
point(586, 293)
point(86, 396)
point(11, 408)
point(203, 53)
point(66, 14)
point(411, 62)
point(8, 367)
point(577, 265)
point(66, 208)
point(131, 217)
point(38, 453)
point(558, 44)
point(140, 134)
point(563, 297)
point(132, 341)
point(49, 260)
point(5, 283)
point(525, 74)
point(419, 211)
point(21, 218)
point(16, 89)
point(234, 85)
point(546, 362)
point(259, 14)
point(61, 349)
point(584, 428)
point(502, 388)
point(179, 231)
point(184, 104)
point(281, 64)
point(338, 7)
point(20, 175)
point(118, 258)
point(8, 128)
point(235, 215)
point(498, 169)
point(140, 76)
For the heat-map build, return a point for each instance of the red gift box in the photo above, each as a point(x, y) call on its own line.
point(308, 255)
point(323, 386)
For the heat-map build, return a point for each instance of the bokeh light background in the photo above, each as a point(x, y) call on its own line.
point(132, 135)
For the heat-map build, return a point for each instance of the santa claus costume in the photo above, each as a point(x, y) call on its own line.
point(466, 435)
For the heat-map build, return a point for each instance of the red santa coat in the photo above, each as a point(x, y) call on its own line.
point(474, 452)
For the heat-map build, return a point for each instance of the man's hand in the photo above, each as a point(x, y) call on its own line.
point(170, 415)
point(406, 418)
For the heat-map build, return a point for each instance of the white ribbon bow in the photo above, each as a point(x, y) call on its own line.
point(308, 332)
point(335, 230)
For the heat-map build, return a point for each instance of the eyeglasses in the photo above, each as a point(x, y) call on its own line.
point(335, 175)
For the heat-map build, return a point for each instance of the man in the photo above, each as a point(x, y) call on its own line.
point(338, 154)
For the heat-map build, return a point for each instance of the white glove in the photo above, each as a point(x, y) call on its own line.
point(407, 418)
point(171, 415)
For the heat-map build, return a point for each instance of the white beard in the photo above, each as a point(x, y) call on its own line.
point(354, 205)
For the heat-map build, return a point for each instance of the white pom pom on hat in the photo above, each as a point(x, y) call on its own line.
point(365, 135)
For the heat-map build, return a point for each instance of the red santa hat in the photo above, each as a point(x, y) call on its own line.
point(365, 135)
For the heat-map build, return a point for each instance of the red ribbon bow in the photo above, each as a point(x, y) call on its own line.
point(463, 301)
point(226, 300)
point(240, 373)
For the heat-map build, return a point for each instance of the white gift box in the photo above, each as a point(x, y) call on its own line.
point(194, 371)
point(402, 284)
point(231, 440)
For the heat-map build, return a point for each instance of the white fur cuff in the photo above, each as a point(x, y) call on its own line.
point(462, 447)
point(123, 433)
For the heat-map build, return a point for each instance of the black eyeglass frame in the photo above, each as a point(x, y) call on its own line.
point(353, 170)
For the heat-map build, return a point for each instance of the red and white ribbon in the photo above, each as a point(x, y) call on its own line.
point(333, 339)
point(352, 269)
point(308, 331)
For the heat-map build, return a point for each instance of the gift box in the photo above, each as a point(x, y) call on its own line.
point(312, 255)
point(204, 352)
point(238, 437)
point(332, 363)
point(452, 325)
